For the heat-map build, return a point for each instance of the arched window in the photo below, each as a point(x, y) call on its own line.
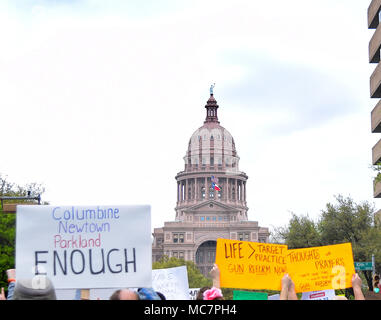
point(233, 193)
point(203, 192)
point(211, 193)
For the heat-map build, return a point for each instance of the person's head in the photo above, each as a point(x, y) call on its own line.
point(162, 296)
point(124, 294)
point(200, 293)
point(148, 294)
point(37, 288)
point(370, 295)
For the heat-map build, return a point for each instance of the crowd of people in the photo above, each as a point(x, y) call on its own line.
point(26, 289)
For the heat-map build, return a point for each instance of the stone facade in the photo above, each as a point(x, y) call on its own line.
point(204, 212)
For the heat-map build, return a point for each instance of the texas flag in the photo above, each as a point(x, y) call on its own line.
point(214, 183)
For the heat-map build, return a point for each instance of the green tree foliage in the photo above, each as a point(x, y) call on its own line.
point(8, 224)
point(301, 232)
point(348, 221)
point(343, 221)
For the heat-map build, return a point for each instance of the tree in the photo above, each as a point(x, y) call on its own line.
point(301, 232)
point(348, 221)
point(8, 224)
point(344, 221)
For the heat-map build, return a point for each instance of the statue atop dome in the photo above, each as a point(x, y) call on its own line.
point(211, 88)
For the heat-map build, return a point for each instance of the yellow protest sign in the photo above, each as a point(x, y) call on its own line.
point(250, 265)
point(321, 268)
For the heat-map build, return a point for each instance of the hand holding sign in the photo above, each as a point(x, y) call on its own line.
point(321, 268)
point(250, 265)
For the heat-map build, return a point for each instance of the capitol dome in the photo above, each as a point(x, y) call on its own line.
point(211, 146)
point(211, 199)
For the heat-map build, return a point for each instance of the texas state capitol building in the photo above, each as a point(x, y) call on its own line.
point(202, 213)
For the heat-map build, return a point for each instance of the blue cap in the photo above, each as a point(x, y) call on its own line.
point(148, 294)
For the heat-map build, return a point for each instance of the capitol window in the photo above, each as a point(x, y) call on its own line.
point(178, 238)
point(243, 236)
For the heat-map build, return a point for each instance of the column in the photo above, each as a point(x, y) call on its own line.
point(186, 190)
point(206, 189)
point(225, 190)
point(236, 190)
point(196, 191)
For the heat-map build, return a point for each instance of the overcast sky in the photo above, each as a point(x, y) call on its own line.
point(98, 99)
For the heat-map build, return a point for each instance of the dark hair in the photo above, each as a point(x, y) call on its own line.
point(162, 296)
point(115, 295)
point(200, 293)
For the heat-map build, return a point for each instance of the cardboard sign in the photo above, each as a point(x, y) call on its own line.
point(319, 295)
point(321, 268)
point(250, 265)
point(85, 246)
point(249, 295)
point(171, 282)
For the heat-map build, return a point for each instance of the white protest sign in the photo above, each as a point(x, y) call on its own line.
point(95, 294)
point(68, 294)
point(193, 293)
point(85, 246)
point(318, 295)
point(171, 282)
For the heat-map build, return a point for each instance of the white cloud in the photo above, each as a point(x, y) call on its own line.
point(98, 101)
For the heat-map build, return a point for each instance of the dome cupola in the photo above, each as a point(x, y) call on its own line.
point(211, 147)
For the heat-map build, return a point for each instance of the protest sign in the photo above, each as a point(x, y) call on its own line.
point(85, 246)
point(321, 268)
point(249, 295)
point(250, 265)
point(319, 295)
point(171, 282)
point(193, 293)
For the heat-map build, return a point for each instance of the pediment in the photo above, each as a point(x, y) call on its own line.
point(211, 206)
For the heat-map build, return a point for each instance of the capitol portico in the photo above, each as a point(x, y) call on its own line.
point(204, 213)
